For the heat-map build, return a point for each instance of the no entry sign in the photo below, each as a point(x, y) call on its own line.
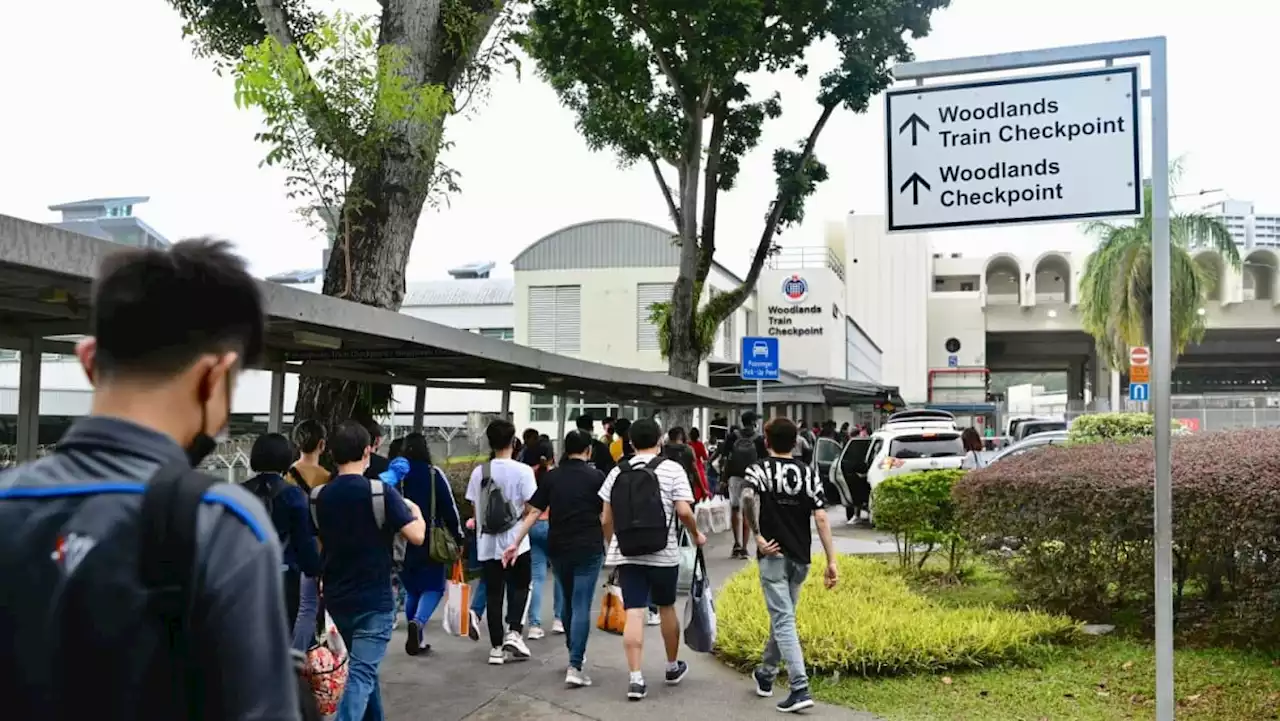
point(1140, 356)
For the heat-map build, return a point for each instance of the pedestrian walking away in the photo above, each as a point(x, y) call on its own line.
point(307, 474)
point(540, 560)
point(499, 489)
point(742, 448)
point(99, 541)
point(425, 566)
point(780, 497)
point(570, 494)
point(644, 498)
point(357, 520)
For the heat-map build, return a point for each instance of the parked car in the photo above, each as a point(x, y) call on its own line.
point(1031, 443)
point(907, 445)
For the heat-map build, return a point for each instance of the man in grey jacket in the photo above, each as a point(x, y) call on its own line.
point(84, 634)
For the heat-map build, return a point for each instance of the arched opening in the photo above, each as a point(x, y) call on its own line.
point(1053, 278)
point(1259, 275)
point(1003, 281)
point(1211, 262)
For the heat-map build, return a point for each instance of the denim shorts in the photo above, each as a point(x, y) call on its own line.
point(642, 585)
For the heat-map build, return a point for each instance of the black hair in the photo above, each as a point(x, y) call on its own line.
point(645, 434)
point(530, 433)
point(500, 434)
point(375, 431)
point(780, 434)
point(749, 418)
point(677, 435)
point(155, 311)
point(349, 442)
point(585, 422)
point(396, 448)
point(308, 435)
point(623, 427)
point(695, 434)
point(416, 448)
point(971, 439)
point(576, 442)
point(271, 453)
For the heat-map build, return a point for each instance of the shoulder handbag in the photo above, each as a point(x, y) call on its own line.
point(442, 547)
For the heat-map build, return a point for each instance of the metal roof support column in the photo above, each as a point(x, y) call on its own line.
point(275, 408)
point(29, 401)
point(419, 407)
point(505, 410)
point(562, 408)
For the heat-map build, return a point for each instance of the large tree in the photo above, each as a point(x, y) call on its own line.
point(354, 110)
point(1115, 288)
point(666, 83)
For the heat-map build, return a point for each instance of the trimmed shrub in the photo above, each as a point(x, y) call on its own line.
point(872, 623)
point(918, 510)
point(1080, 519)
point(459, 476)
point(1098, 427)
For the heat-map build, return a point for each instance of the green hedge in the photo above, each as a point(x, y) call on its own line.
point(918, 510)
point(1099, 427)
point(873, 623)
point(1079, 522)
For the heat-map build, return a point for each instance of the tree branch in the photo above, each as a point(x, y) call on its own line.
point(672, 208)
point(711, 194)
point(664, 63)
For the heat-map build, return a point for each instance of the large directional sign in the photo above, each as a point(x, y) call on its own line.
point(759, 359)
point(1014, 150)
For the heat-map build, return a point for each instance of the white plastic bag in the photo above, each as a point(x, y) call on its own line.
point(688, 559)
point(702, 514)
point(720, 515)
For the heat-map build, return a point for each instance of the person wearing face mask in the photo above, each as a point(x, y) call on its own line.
point(107, 532)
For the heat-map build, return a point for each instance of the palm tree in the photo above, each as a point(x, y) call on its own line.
point(1115, 290)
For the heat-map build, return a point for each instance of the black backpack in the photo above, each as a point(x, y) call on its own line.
point(743, 454)
point(496, 513)
point(639, 518)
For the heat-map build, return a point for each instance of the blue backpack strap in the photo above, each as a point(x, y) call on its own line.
point(170, 506)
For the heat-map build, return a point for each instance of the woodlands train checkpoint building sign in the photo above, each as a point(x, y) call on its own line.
point(1014, 150)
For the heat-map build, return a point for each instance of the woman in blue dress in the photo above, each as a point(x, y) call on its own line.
point(424, 579)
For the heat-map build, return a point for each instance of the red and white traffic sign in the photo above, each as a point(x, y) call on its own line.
point(1139, 356)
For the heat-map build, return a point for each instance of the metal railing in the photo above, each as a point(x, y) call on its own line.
point(1196, 413)
point(806, 257)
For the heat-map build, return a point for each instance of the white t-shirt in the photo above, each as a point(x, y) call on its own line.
point(517, 483)
point(674, 483)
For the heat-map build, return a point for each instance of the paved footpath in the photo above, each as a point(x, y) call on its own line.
point(455, 683)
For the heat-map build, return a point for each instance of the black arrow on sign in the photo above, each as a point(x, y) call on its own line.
point(914, 182)
point(915, 122)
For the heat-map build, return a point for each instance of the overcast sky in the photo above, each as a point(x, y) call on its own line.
point(104, 98)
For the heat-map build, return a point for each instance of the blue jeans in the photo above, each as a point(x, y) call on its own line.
point(366, 635)
point(304, 626)
point(578, 576)
point(479, 597)
point(781, 579)
point(541, 562)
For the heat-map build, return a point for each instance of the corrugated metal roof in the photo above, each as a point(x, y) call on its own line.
point(95, 202)
point(470, 291)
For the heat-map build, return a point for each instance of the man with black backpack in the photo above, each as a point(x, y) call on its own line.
point(499, 489)
point(133, 587)
point(644, 497)
point(742, 449)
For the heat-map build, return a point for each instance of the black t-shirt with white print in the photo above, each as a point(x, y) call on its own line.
point(789, 493)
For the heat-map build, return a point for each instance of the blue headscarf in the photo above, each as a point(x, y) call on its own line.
point(396, 471)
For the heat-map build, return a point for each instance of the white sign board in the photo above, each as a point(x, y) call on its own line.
point(1014, 150)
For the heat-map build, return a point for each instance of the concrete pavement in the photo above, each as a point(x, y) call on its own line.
point(455, 683)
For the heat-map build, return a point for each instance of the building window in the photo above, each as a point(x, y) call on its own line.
point(966, 287)
point(499, 333)
point(555, 318)
point(730, 348)
point(646, 295)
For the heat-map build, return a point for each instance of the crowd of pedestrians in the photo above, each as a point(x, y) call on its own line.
point(203, 594)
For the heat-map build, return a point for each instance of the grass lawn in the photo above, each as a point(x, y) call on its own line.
point(1100, 679)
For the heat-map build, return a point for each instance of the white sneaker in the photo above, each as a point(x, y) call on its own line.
point(576, 678)
point(473, 625)
point(515, 645)
point(653, 619)
point(497, 657)
point(557, 627)
point(536, 633)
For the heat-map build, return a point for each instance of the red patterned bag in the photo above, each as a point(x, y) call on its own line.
point(326, 667)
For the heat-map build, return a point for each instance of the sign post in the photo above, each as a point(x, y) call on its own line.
point(1043, 148)
point(759, 364)
point(1140, 374)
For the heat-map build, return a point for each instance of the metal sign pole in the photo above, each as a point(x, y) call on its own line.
point(1161, 371)
point(760, 400)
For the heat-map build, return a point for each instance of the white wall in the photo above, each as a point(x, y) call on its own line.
point(887, 285)
point(822, 352)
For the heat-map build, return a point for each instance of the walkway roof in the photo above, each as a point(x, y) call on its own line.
point(46, 275)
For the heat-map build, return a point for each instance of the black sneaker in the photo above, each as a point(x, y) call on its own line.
point(764, 684)
point(799, 700)
point(413, 639)
point(637, 691)
point(737, 552)
point(677, 674)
